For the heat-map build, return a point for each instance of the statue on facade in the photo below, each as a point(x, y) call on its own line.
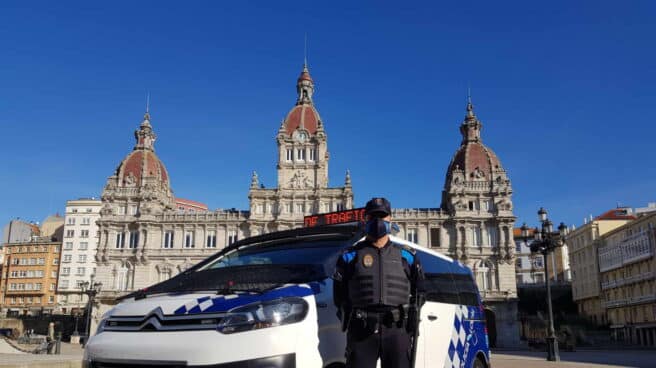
point(130, 180)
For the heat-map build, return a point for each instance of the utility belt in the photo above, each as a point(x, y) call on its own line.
point(372, 319)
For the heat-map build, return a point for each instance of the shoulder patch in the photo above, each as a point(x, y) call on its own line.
point(348, 256)
point(406, 252)
point(410, 257)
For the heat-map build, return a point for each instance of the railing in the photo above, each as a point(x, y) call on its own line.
point(629, 280)
point(478, 185)
point(629, 301)
point(642, 299)
point(497, 295)
point(614, 303)
point(203, 216)
point(417, 213)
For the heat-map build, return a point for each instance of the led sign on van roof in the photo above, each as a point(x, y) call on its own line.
point(332, 218)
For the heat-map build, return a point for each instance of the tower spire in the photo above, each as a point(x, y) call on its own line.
point(147, 114)
point(304, 83)
point(470, 106)
point(305, 62)
point(471, 126)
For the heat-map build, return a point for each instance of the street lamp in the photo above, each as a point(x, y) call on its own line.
point(545, 241)
point(91, 289)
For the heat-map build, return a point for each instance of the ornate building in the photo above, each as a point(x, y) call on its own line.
point(143, 239)
point(302, 171)
point(474, 225)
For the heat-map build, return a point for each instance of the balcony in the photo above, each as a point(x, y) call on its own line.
point(25, 292)
point(498, 295)
point(629, 301)
point(615, 303)
point(642, 299)
point(629, 280)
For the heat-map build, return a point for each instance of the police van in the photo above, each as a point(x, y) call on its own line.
point(266, 302)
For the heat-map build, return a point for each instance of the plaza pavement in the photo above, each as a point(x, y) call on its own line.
point(577, 359)
point(72, 355)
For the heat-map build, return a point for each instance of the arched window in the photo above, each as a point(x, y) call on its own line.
point(477, 236)
point(482, 276)
point(121, 280)
point(164, 274)
point(492, 236)
point(485, 275)
point(122, 277)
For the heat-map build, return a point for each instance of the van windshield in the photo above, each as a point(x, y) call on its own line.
point(258, 268)
point(315, 255)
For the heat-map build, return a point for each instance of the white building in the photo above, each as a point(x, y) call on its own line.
point(529, 267)
point(79, 248)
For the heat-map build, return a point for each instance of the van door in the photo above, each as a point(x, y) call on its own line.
point(437, 314)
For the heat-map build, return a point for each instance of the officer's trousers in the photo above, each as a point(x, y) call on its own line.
point(390, 344)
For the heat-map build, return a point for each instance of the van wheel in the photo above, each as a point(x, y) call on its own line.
point(478, 363)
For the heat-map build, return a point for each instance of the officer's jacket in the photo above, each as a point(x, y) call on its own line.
point(370, 277)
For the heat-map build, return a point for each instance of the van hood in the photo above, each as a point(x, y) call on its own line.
point(206, 302)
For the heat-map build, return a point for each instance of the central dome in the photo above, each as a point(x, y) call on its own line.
point(303, 116)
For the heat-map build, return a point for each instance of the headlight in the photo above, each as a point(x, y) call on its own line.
point(264, 314)
point(103, 321)
point(101, 326)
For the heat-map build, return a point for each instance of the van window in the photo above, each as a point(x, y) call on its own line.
point(446, 282)
point(440, 288)
point(467, 291)
point(438, 285)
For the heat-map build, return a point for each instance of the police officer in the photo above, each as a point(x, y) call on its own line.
point(375, 284)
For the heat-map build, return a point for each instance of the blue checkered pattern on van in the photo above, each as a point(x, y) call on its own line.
point(224, 303)
point(456, 357)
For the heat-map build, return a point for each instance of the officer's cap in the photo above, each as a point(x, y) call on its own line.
point(378, 206)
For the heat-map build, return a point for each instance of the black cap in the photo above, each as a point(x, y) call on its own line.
point(378, 206)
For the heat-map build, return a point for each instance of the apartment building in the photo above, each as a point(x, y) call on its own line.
point(29, 277)
point(79, 248)
point(627, 266)
point(583, 244)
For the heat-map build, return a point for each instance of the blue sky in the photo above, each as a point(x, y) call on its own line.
point(565, 91)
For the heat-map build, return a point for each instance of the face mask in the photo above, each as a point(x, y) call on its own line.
point(377, 227)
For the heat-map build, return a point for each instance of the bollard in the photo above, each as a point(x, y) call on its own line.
point(58, 343)
point(49, 345)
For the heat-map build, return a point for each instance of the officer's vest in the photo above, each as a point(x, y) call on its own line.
point(375, 282)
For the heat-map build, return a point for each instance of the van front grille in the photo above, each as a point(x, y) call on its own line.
point(157, 321)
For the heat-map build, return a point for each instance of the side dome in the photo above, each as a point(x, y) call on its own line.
point(476, 161)
point(141, 167)
point(473, 161)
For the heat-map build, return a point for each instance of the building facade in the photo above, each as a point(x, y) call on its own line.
point(53, 227)
point(29, 278)
point(627, 267)
point(144, 240)
point(17, 231)
point(583, 245)
point(78, 254)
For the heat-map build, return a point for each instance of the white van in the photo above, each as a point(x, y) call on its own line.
point(266, 302)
